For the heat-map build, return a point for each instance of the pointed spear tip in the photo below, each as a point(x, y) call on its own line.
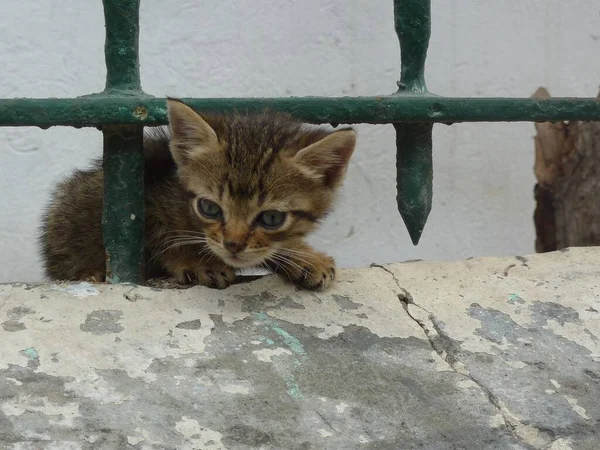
point(415, 223)
point(415, 236)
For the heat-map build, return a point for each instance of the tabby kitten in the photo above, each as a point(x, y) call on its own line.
point(221, 192)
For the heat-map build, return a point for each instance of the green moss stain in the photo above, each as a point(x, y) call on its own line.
point(31, 353)
point(294, 344)
point(292, 387)
point(289, 340)
point(515, 298)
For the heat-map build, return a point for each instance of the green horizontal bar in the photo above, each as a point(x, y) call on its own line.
point(94, 111)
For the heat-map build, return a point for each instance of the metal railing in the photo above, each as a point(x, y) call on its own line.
point(123, 109)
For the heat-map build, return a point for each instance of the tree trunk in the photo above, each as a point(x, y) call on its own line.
point(567, 168)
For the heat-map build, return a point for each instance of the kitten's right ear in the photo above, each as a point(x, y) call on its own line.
point(190, 134)
point(328, 158)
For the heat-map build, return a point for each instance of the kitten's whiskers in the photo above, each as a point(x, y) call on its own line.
point(298, 258)
point(284, 259)
point(181, 240)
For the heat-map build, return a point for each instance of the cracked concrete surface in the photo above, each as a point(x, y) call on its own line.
point(491, 353)
point(526, 332)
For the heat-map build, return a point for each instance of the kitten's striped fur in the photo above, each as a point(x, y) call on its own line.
point(245, 164)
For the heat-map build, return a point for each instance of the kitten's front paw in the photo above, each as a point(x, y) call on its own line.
point(216, 275)
point(316, 275)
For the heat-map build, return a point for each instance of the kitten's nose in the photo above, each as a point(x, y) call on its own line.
point(234, 246)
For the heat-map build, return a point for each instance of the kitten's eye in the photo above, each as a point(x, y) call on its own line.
point(271, 218)
point(209, 209)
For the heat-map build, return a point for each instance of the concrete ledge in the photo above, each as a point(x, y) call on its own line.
point(492, 353)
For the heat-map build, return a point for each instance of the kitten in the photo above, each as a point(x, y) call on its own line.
point(221, 192)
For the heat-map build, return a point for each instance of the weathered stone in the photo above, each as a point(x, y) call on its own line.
point(528, 335)
point(410, 356)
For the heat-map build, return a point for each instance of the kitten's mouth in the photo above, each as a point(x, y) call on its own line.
point(239, 260)
point(236, 259)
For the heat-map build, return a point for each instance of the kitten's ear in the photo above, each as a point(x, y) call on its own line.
point(190, 134)
point(328, 158)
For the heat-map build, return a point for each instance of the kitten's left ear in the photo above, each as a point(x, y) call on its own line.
point(329, 157)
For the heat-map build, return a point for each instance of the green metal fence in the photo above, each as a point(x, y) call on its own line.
point(122, 110)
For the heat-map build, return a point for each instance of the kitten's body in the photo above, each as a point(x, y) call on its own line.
point(252, 169)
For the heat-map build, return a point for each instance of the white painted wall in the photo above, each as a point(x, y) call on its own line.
point(483, 172)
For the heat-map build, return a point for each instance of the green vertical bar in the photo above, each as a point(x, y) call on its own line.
point(122, 18)
point(414, 163)
point(413, 26)
point(123, 214)
point(414, 171)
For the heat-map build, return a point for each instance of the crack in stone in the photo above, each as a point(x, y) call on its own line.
point(4, 299)
point(442, 346)
point(393, 275)
point(324, 419)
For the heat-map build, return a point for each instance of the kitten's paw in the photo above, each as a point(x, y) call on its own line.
point(217, 275)
point(318, 275)
point(96, 278)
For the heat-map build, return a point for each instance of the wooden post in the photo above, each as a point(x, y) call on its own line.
point(567, 168)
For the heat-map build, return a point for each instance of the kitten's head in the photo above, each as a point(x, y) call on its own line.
point(256, 182)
